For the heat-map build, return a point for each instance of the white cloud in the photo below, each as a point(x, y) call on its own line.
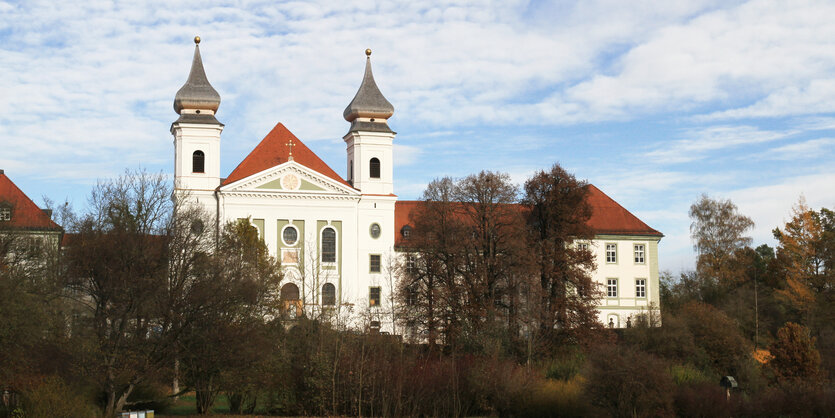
point(809, 149)
point(405, 154)
point(698, 143)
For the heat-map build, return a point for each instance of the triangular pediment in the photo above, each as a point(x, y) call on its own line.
point(290, 178)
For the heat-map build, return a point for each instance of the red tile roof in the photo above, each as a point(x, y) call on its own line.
point(25, 213)
point(273, 150)
point(608, 217)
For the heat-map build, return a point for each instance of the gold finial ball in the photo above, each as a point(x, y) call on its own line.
point(196, 40)
point(368, 52)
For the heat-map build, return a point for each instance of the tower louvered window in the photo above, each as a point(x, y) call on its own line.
point(198, 162)
point(374, 168)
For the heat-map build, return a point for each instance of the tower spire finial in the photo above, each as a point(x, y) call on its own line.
point(369, 101)
point(197, 94)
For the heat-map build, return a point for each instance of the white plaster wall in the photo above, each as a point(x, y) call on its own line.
point(192, 137)
point(626, 304)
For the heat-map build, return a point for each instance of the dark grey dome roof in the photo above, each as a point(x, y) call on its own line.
point(197, 93)
point(369, 101)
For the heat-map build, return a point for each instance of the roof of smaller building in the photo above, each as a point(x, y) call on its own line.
point(25, 213)
point(608, 217)
point(273, 150)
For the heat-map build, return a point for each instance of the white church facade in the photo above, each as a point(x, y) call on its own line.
point(336, 237)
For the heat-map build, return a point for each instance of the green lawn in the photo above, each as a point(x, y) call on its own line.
point(185, 406)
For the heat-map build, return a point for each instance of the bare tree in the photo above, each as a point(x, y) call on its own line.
point(717, 231)
point(235, 332)
point(557, 220)
point(135, 266)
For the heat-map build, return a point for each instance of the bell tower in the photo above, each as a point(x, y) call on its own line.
point(369, 140)
point(197, 135)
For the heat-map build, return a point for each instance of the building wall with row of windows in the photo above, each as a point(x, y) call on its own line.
point(627, 271)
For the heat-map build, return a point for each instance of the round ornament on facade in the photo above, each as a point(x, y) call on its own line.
point(375, 230)
point(290, 182)
point(290, 235)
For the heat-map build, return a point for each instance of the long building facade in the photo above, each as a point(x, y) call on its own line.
point(336, 236)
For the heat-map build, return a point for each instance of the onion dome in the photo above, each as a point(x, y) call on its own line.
point(197, 93)
point(368, 102)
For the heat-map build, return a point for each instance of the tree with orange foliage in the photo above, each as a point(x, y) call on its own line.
point(795, 359)
point(804, 244)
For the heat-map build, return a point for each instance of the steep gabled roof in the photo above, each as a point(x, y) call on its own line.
point(608, 217)
point(273, 150)
point(25, 213)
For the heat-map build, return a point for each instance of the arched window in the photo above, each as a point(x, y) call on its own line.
point(328, 245)
point(289, 292)
point(328, 294)
point(375, 168)
point(198, 162)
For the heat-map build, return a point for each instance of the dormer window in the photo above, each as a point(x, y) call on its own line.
point(406, 232)
point(198, 162)
point(374, 168)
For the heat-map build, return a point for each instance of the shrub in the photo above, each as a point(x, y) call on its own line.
point(555, 398)
point(686, 374)
point(717, 336)
point(795, 361)
point(53, 398)
point(565, 367)
point(705, 399)
point(625, 383)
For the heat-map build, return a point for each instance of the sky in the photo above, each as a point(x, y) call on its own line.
point(654, 102)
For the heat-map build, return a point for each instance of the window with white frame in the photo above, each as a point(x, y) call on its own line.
point(410, 263)
point(612, 288)
point(5, 214)
point(639, 253)
point(583, 246)
point(640, 288)
point(611, 253)
point(328, 294)
point(374, 296)
point(374, 263)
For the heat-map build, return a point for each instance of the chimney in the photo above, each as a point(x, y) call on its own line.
point(47, 212)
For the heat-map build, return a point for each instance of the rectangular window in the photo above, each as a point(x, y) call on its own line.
point(640, 288)
point(611, 253)
point(583, 246)
point(374, 263)
point(374, 296)
point(612, 288)
point(639, 253)
point(5, 214)
point(410, 263)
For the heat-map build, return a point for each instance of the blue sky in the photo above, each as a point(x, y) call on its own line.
point(654, 102)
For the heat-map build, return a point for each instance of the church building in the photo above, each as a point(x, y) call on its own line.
point(335, 235)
